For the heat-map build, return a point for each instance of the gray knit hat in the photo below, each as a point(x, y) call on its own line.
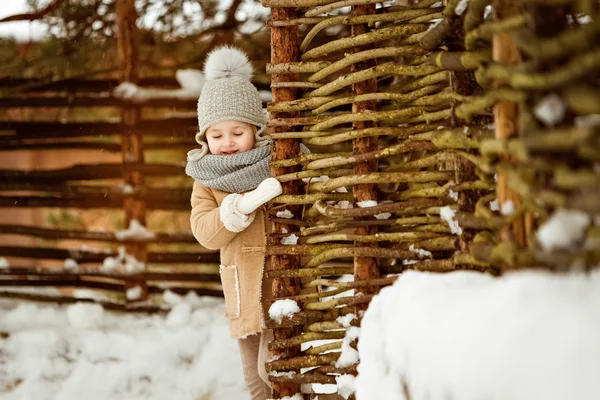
point(228, 94)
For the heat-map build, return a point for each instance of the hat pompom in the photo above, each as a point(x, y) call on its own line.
point(226, 62)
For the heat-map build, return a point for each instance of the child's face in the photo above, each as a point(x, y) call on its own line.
point(230, 137)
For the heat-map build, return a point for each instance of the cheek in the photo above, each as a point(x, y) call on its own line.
point(213, 145)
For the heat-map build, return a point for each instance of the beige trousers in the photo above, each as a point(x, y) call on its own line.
point(255, 353)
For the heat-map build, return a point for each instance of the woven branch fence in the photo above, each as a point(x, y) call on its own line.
point(432, 150)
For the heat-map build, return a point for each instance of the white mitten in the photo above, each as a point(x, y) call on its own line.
point(265, 191)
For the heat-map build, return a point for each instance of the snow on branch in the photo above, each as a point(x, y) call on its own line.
point(282, 309)
point(135, 231)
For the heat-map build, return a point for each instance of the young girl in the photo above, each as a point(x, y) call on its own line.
point(231, 186)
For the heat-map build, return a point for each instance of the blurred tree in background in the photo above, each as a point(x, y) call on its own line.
point(174, 34)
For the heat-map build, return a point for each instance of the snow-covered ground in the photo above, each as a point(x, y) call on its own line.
point(469, 336)
point(81, 351)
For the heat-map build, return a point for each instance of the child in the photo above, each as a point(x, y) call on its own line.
point(231, 186)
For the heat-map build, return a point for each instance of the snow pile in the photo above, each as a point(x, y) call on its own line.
point(135, 231)
point(469, 336)
point(420, 252)
point(495, 205)
point(290, 240)
point(448, 214)
point(563, 229)
point(283, 308)
point(346, 386)
point(385, 215)
point(134, 293)
point(344, 205)
point(461, 7)
point(507, 208)
point(85, 315)
point(71, 264)
point(123, 262)
point(48, 355)
point(285, 214)
point(349, 355)
point(346, 320)
point(191, 82)
point(179, 315)
point(550, 110)
point(366, 203)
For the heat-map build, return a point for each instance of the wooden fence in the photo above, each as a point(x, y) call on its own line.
point(134, 267)
point(437, 117)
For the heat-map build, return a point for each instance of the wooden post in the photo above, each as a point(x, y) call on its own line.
point(506, 113)
point(132, 144)
point(284, 49)
point(364, 267)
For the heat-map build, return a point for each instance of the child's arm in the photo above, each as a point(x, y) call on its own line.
point(207, 219)
point(215, 226)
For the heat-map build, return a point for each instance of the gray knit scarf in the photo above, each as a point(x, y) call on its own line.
point(236, 173)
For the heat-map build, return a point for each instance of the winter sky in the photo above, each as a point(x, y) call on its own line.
point(23, 31)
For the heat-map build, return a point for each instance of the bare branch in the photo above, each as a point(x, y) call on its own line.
point(34, 15)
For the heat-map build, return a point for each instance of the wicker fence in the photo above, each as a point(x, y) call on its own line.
point(460, 130)
point(460, 127)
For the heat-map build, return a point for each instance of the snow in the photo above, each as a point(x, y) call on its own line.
point(179, 315)
point(487, 13)
point(133, 293)
point(349, 355)
point(344, 204)
point(435, 22)
point(290, 240)
point(71, 264)
point(507, 208)
point(53, 353)
point(466, 335)
point(420, 252)
point(366, 203)
point(453, 195)
point(135, 231)
point(448, 214)
point(550, 110)
point(123, 261)
point(127, 189)
point(4, 263)
point(565, 228)
point(346, 385)
point(190, 80)
point(386, 215)
point(346, 319)
point(283, 308)
point(461, 7)
point(285, 214)
point(85, 315)
point(494, 205)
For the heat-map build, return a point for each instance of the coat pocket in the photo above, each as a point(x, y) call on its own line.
point(231, 290)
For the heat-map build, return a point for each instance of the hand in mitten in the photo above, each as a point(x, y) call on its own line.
point(265, 191)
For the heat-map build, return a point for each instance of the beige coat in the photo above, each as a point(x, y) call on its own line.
point(242, 259)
